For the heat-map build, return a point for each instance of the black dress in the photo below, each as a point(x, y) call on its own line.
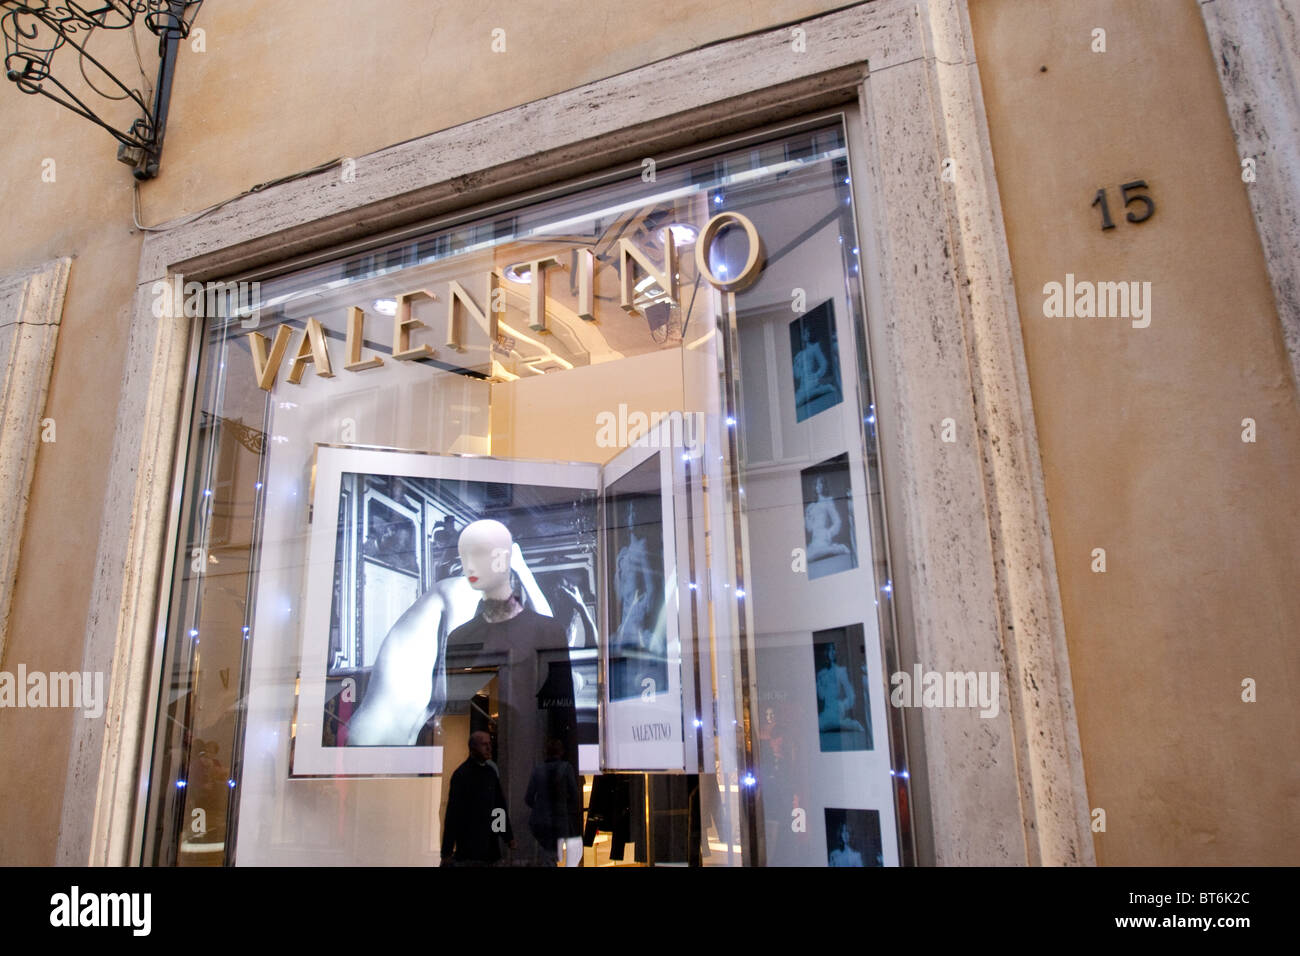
point(556, 802)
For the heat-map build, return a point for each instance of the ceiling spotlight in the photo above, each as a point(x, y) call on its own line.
point(647, 287)
point(683, 233)
point(515, 274)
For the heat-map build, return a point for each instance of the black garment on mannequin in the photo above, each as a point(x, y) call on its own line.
point(556, 802)
point(613, 797)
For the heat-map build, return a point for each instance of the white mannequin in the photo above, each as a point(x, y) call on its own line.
point(485, 548)
point(397, 701)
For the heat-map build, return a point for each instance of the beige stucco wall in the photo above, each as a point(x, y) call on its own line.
point(85, 213)
point(321, 80)
point(1140, 429)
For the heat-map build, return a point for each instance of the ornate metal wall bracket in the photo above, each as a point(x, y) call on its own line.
point(36, 30)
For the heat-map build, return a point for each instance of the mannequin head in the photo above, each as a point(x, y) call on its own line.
point(485, 548)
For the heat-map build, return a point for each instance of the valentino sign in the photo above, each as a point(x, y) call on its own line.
point(312, 348)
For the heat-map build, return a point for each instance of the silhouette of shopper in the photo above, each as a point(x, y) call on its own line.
point(556, 803)
point(477, 820)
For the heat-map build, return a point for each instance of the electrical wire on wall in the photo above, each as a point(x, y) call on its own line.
point(195, 217)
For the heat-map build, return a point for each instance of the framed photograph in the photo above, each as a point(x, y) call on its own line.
point(828, 517)
point(385, 588)
point(843, 689)
point(815, 361)
point(643, 692)
point(638, 637)
point(853, 838)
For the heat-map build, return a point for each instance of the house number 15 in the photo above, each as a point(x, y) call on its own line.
point(1130, 196)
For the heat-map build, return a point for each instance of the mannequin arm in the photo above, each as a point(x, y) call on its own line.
point(401, 682)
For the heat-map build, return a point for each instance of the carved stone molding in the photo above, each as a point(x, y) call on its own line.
point(31, 307)
point(1256, 46)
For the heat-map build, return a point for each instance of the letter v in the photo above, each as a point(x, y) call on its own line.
point(266, 369)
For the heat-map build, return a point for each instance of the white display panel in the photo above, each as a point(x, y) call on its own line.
point(414, 667)
point(822, 754)
point(643, 648)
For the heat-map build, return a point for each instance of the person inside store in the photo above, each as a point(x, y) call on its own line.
point(555, 801)
point(477, 821)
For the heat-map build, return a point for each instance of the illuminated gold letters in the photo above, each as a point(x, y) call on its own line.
point(667, 277)
point(753, 263)
point(311, 349)
point(461, 307)
point(356, 333)
point(402, 325)
point(537, 292)
point(486, 318)
point(266, 369)
point(586, 262)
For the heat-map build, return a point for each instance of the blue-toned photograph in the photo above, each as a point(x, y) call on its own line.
point(843, 689)
point(638, 643)
point(815, 362)
point(853, 838)
point(828, 517)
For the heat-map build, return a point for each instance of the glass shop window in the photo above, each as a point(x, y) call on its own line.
point(547, 537)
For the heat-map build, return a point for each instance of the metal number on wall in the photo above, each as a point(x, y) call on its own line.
point(1125, 190)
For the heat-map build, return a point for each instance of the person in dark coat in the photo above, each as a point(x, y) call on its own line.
point(556, 803)
point(477, 820)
